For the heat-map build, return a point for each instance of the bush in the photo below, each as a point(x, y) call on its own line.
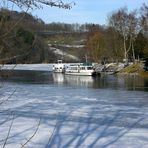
point(27, 36)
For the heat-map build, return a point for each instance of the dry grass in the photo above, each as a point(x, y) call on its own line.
point(144, 74)
point(133, 69)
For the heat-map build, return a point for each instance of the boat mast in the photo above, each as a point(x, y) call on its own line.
point(86, 59)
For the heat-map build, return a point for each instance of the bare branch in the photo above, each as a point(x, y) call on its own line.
point(51, 136)
point(144, 17)
point(39, 3)
point(8, 132)
point(23, 145)
point(8, 97)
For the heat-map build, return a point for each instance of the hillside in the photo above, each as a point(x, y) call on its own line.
point(69, 47)
point(22, 40)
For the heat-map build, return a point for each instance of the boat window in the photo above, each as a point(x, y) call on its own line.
point(74, 68)
point(89, 68)
point(82, 68)
point(59, 61)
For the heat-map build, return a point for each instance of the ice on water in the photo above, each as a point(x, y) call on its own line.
point(72, 116)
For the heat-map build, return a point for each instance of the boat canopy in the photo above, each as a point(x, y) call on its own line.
point(86, 64)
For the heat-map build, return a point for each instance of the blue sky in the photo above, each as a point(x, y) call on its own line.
point(86, 11)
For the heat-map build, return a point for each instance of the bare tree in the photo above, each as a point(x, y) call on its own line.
point(95, 46)
point(127, 25)
point(144, 18)
point(119, 21)
point(133, 30)
point(113, 44)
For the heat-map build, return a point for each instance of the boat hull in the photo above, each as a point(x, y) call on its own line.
point(79, 73)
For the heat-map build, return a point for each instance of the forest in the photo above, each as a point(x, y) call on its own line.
point(123, 38)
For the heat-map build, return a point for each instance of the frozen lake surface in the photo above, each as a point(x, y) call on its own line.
point(60, 111)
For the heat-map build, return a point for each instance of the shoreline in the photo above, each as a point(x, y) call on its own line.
point(141, 73)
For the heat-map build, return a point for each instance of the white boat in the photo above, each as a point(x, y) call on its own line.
point(59, 67)
point(83, 69)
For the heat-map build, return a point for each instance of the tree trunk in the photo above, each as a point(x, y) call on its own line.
point(133, 51)
point(125, 50)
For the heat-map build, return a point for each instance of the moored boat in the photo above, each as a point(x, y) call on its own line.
point(59, 67)
point(83, 69)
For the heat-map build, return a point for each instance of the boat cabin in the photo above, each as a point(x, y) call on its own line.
point(59, 67)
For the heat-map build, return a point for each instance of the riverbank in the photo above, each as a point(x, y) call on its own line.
point(134, 69)
point(144, 74)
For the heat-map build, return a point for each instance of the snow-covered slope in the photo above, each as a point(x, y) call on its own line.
point(63, 54)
